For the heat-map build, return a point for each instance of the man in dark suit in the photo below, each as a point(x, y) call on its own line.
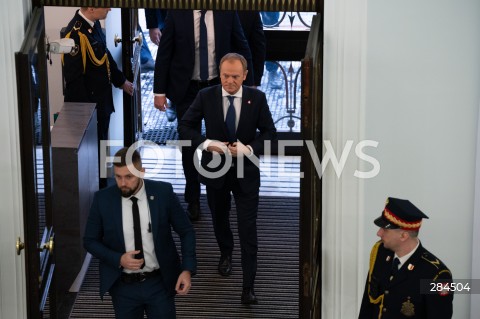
point(253, 29)
point(155, 20)
point(402, 271)
point(179, 74)
point(232, 115)
point(129, 231)
point(90, 69)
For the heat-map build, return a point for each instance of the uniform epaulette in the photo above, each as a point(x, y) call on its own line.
point(434, 261)
point(77, 25)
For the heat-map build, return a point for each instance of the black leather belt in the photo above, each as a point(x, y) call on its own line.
point(139, 276)
point(204, 84)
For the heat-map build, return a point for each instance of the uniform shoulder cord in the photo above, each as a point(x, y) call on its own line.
point(84, 45)
point(379, 299)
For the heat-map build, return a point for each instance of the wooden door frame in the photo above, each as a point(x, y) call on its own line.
point(311, 184)
point(33, 53)
point(132, 110)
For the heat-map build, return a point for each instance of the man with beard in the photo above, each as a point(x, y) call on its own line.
point(129, 231)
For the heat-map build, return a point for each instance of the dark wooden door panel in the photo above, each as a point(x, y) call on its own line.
point(34, 120)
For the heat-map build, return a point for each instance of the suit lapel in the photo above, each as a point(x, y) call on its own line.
point(153, 206)
point(217, 27)
point(218, 113)
point(188, 23)
point(244, 111)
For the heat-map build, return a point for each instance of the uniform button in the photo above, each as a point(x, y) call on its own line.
point(384, 310)
point(387, 292)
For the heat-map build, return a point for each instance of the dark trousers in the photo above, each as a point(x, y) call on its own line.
point(103, 123)
point(219, 202)
point(192, 185)
point(132, 300)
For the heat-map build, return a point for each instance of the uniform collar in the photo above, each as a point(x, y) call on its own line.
point(92, 23)
point(407, 256)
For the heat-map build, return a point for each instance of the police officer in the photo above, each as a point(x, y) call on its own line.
point(402, 272)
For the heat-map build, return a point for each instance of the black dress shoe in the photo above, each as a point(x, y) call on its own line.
point(248, 296)
point(193, 211)
point(225, 265)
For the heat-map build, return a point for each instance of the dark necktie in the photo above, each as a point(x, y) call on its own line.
point(97, 28)
point(137, 231)
point(395, 264)
point(230, 120)
point(203, 48)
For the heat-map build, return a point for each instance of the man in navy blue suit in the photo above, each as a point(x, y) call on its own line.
point(253, 29)
point(177, 71)
point(233, 113)
point(129, 231)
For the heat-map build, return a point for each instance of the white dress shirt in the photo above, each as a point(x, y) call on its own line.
point(212, 64)
point(405, 258)
point(237, 104)
point(151, 261)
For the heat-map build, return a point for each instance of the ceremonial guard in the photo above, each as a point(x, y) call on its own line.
point(90, 69)
point(402, 272)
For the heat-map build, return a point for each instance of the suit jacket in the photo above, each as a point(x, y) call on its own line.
point(104, 233)
point(402, 296)
point(176, 53)
point(90, 83)
point(254, 115)
point(253, 29)
point(155, 18)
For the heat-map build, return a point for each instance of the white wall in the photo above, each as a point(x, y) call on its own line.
point(422, 97)
point(14, 18)
point(414, 67)
point(113, 26)
point(475, 301)
point(55, 19)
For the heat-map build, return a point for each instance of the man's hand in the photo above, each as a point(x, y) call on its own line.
point(127, 87)
point(184, 282)
point(239, 149)
point(129, 262)
point(218, 147)
point(160, 103)
point(155, 35)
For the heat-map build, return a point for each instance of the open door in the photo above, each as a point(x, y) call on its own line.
point(311, 184)
point(34, 121)
point(131, 47)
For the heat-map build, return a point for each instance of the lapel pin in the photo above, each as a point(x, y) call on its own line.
point(152, 197)
point(410, 267)
point(388, 258)
point(249, 102)
point(89, 30)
